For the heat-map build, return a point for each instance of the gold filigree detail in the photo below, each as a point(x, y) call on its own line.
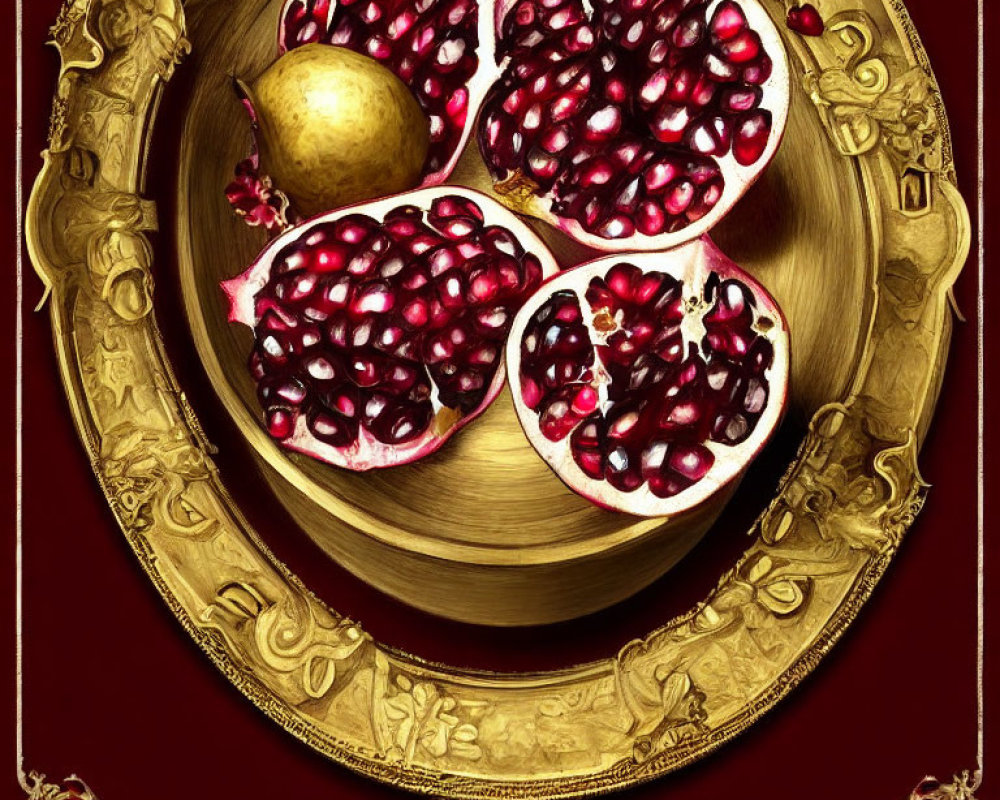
point(962, 787)
point(665, 699)
point(413, 717)
point(77, 47)
point(308, 647)
point(71, 788)
point(119, 259)
point(864, 105)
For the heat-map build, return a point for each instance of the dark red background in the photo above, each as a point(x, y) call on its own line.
point(116, 692)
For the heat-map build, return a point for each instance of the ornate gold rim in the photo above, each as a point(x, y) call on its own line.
point(662, 701)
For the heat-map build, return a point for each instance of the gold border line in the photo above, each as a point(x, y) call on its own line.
point(980, 493)
point(18, 394)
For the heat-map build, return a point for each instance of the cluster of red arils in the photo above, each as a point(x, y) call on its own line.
point(647, 380)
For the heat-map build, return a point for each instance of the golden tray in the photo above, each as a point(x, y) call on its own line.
point(859, 208)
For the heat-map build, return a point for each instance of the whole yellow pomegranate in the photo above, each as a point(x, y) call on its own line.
point(336, 127)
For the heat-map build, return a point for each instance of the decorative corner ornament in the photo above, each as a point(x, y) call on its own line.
point(71, 788)
point(663, 701)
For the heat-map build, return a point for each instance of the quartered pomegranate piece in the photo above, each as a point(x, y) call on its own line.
point(380, 327)
point(635, 124)
point(650, 381)
point(441, 49)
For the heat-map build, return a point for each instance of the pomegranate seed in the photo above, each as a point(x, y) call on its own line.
point(634, 34)
point(432, 88)
point(659, 174)
point(273, 349)
point(604, 123)
point(742, 99)
point(531, 392)
point(597, 171)
point(692, 462)
point(352, 229)
point(401, 24)
point(756, 397)
point(751, 136)
point(654, 87)
point(343, 34)
point(378, 48)
point(374, 299)
point(483, 287)
point(542, 165)
point(616, 91)
point(320, 369)
point(618, 226)
point(629, 155)
point(457, 106)
point(743, 48)
point(688, 32)
point(445, 207)
point(280, 423)
point(459, 11)
point(329, 258)
point(720, 69)
point(591, 462)
point(620, 279)
point(758, 73)
point(619, 473)
point(556, 422)
point(709, 136)
point(524, 14)
point(681, 84)
point(328, 428)
point(565, 107)
point(563, 18)
point(580, 40)
point(728, 21)
point(678, 197)
point(703, 92)
point(650, 218)
point(657, 52)
point(406, 68)
point(625, 200)
point(555, 139)
point(592, 212)
point(805, 19)
point(459, 227)
point(450, 53)
point(670, 123)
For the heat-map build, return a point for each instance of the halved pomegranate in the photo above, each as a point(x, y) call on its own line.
point(650, 381)
point(633, 124)
point(380, 327)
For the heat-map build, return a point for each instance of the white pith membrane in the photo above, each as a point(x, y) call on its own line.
point(693, 264)
point(323, 26)
point(737, 177)
point(367, 451)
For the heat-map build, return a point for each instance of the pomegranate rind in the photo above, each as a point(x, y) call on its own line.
point(368, 452)
point(776, 94)
point(487, 17)
point(693, 264)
